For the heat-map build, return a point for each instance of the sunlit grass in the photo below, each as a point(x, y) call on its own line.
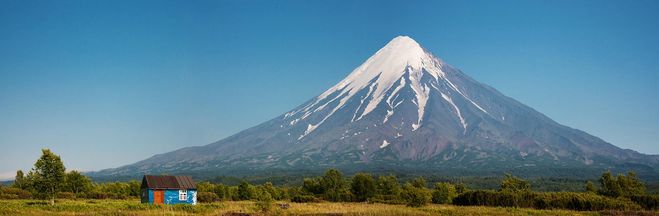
point(134, 207)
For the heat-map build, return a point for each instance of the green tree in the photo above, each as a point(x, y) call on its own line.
point(134, 188)
point(461, 188)
point(631, 185)
point(333, 186)
point(419, 182)
point(513, 184)
point(48, 175)
point(415, 196)
point(270, 189)
point(21, 181)
point(388, 186)
point(621, 185)
point(205, 187)
point(245, 191)
point(312, 186)
point(222, 192)
point(77, 183)
point(443, 193)
point(590, 187)
point(610, 186)
point(264, 201)
point(362, 186)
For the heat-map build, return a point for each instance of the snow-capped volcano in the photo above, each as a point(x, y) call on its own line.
point(402, 62)
point(403, 107)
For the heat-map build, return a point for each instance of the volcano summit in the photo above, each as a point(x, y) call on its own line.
point(403, 109)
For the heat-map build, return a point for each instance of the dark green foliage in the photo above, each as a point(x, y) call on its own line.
point(331, 186)
point(590, 187)
point(207, 197)
point(115, 190)
point(245, 191)
point(48, 175)
point(387, 190)
point(21, 181)
point(205, 187)
point(419, 182)
point(312, 186)
point(362, 186)
point(649, 202)
point(66, 195)
point(14, 193)
point(304, 199)
point(461, 188)
point(610, 186)
point(387, 185)
point(513, 184)
point(624, 192)
point(264, 201)
point(415, 195)
point(334, 186)
point(443, 193)
point(621, 185)
point(77, 183)
point(538, 200)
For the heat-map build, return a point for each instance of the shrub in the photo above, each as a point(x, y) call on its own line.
point(97, 195)
point(14, 193)
point(66, 195)
point(621, 185)
point(559, 200)
point(264, 202)
point(362, 186)
point(207, 197)
point(8, 196)
point(415, 196)
point(648, 202)
point(386, 199)
point(304, 199)
point(511, 183)
point(443, 193)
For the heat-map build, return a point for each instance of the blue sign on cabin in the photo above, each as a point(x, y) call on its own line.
point(168, 190)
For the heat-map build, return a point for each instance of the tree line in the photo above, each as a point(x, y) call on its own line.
point(49, 180)
point(622, 192)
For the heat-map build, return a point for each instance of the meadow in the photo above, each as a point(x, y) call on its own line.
point(134, 207)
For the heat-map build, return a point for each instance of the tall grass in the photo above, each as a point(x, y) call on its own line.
point(133, 207)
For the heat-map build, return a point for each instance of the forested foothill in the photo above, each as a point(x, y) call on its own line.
point(49, 180)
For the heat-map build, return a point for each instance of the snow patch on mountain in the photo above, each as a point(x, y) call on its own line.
point(384, 75)
point(457, 110)
point(384, 144)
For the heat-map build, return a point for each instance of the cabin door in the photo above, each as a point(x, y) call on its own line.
point(158, 197)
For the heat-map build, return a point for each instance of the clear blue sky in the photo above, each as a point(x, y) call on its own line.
point(108, 83)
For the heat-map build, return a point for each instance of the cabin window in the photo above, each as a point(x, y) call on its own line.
point(182, 195)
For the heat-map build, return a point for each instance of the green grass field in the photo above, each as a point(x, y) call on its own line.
point(133, 207)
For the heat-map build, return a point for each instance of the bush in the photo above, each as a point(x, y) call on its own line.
point(207, 197)
point(362, 186)
point(415, 196)
point(264, 202)
point(14, 193)
point(66, 195)
point(443, 193)
point(386, 199)
point(559, 200)
point(96, 195)
point(648, 202)
point(304, 199)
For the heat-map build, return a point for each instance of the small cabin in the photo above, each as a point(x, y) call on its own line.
point(168, 190)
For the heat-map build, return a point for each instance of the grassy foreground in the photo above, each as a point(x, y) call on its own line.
point(133, 207)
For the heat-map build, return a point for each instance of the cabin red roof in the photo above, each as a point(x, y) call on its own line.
point(168, 182)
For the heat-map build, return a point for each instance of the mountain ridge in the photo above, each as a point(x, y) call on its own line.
point(402, 105)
